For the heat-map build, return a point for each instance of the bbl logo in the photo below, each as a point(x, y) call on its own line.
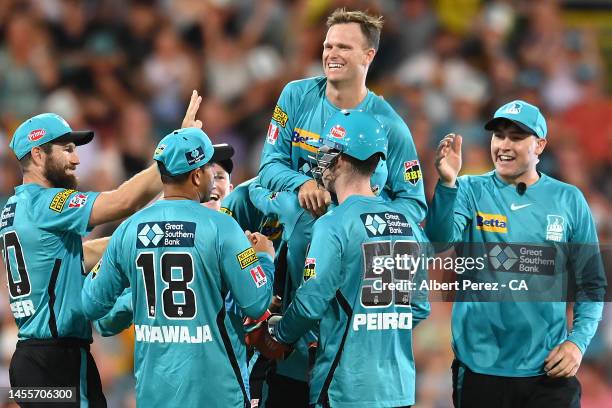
point(412, 171)
point(310, 268)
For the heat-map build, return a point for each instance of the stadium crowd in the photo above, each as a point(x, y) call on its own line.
point(126, 70)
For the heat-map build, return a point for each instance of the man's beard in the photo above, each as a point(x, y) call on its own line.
point(57, 176)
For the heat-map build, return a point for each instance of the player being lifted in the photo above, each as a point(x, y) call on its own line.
point(366, 307)
point(518, 353)
point(41, 234)
point(305, 105)
point(181, 259)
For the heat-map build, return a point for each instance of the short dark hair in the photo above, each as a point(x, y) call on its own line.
point(168, 178)
point(363, 167)
point(370, 25)
point(27, 159)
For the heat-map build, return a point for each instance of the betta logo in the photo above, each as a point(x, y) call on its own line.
point(338, 132)
point(36, 134)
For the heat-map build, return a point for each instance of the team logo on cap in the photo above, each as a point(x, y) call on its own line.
point(194, 156)
point(36, 134)
point(338, 132)
point(515, 108)
point(160, 149)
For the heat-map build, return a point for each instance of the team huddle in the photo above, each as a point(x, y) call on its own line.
point(289, 290)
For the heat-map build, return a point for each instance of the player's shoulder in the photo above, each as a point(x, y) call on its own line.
point(240, 194)
point(384, 112)
point(476, 180)
point(566, 191)
point(305, 85)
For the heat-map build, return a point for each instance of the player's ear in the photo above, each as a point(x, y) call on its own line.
point(38, 156)
point(196, 177)
point(369, 55)
point(540, 145)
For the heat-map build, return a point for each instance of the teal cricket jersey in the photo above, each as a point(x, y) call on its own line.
point(297, 229)
point(298, 120)
point(549, 236)
point(181, 259)
point(238, 205)
point(366, 307)
point(120, 317)
point(41, 230)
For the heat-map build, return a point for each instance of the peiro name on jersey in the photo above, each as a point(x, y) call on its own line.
point(161, 234)
point(386, 224)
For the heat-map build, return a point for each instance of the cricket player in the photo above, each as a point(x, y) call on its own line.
point(518, 354)
point(305, 105)
point(356, 285)
point(223, 185)
point(181, 259)
point(41, 232)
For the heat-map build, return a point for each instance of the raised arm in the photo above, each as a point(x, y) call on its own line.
point(140, 189)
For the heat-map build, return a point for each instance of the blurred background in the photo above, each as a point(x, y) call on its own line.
point(126, 69)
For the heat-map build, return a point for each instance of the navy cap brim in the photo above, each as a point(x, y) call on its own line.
point(495, 122)
point(78, 137)
point(223, 152)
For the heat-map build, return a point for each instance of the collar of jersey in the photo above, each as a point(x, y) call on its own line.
point(360, 106)
point(504, 184)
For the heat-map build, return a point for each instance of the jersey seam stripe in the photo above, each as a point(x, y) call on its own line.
point(323, 396)
point(51, 291)
point(230, 351)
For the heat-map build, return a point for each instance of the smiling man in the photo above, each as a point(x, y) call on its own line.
point(223, 186)
point(518, 353)
point(305, 105)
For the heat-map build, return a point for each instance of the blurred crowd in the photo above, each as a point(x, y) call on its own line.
point(126, 69)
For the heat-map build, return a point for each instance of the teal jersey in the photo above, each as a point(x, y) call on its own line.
point(119, 318)
point(297, 230)
point(547, 232)
point(41, 230)
point(359, 286)
point(238, 205)
point(180, 260)
point(298, 120)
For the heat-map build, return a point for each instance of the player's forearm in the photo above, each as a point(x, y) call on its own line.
point(93, 251)
point(442, 224)
point(300, 318)
point(119, 318)
point(128, 198)
point(586, 319)
point(278, 176)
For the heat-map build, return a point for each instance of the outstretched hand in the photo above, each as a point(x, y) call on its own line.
point(192, 110)
point(448, 159)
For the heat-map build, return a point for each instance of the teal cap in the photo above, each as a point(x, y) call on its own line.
point(355, 133)
point(184, 150)
point(45, 128)
point(524, 115)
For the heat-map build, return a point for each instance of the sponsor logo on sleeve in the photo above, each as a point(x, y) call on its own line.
point(194, 156)
point(59, 200)
point(95, 269)
point(78, 201)
point(280, 116)
point(226, 211)
point(259, 276)
point(247, 257)
point(386, 224)
point(36, 135)
point(161, 234)
point(8, 215)
point(491, 222)
point(412, 171)
point(273, 195)
point(310, 268)
point(272, 133)
point(555, 227)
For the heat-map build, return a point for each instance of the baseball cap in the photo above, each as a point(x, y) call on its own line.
point(45, 128)
point(355, 133)
point(524, 115)
point(184, 150)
